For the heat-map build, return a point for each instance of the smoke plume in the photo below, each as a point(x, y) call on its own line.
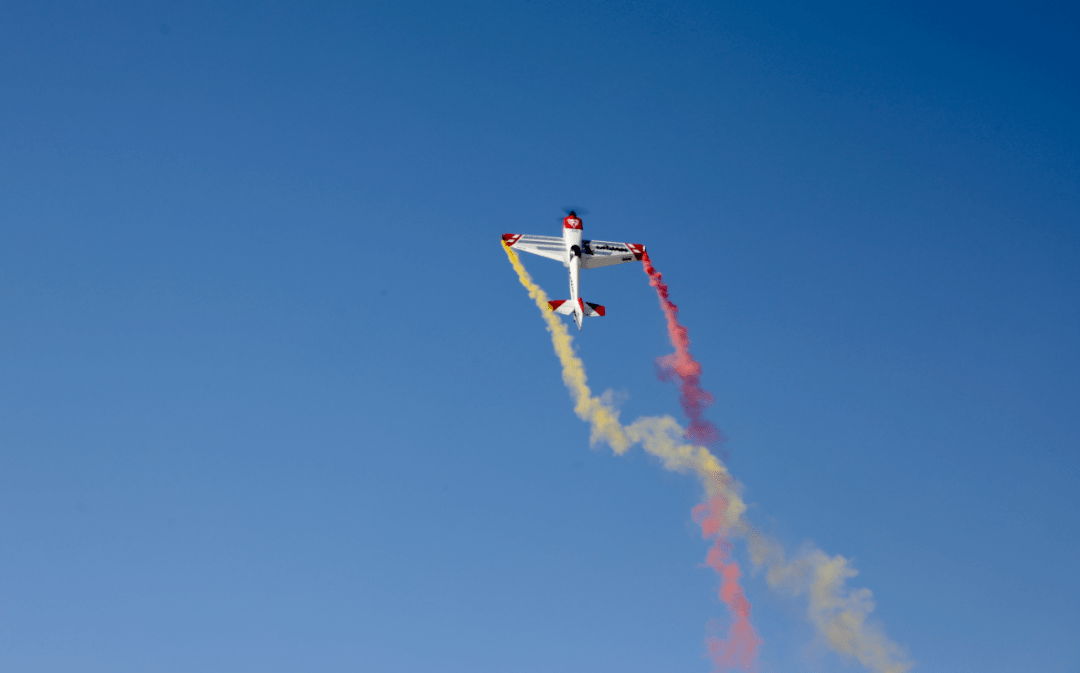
point(838, 613)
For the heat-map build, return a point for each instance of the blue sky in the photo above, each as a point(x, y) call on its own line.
point(273, 400)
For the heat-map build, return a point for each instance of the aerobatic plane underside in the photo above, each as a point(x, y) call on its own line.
point(576, 254)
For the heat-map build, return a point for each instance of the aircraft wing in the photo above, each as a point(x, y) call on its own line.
point(606, 253)
point(551, 247)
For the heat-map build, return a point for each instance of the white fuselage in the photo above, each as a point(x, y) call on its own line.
point(572, 238)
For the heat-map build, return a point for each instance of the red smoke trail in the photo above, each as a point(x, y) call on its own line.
point(683, 366)
point(739, 650)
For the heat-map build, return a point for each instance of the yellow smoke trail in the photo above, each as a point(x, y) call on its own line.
point(603, 420)
point(838, 613)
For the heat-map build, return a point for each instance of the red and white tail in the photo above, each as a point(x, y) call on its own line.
point(566, 307)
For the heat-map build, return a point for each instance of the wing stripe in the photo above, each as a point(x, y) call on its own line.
point(608, 253)
point(545, 246)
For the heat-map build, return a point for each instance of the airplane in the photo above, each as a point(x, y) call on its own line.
point(576, 254)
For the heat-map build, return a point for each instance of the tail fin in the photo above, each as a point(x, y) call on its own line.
point(566, 307)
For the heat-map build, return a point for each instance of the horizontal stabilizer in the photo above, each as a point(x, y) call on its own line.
point(562, 306)
point(592, 310)
point(566, 307)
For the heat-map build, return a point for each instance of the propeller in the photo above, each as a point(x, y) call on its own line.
point(577, 211)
